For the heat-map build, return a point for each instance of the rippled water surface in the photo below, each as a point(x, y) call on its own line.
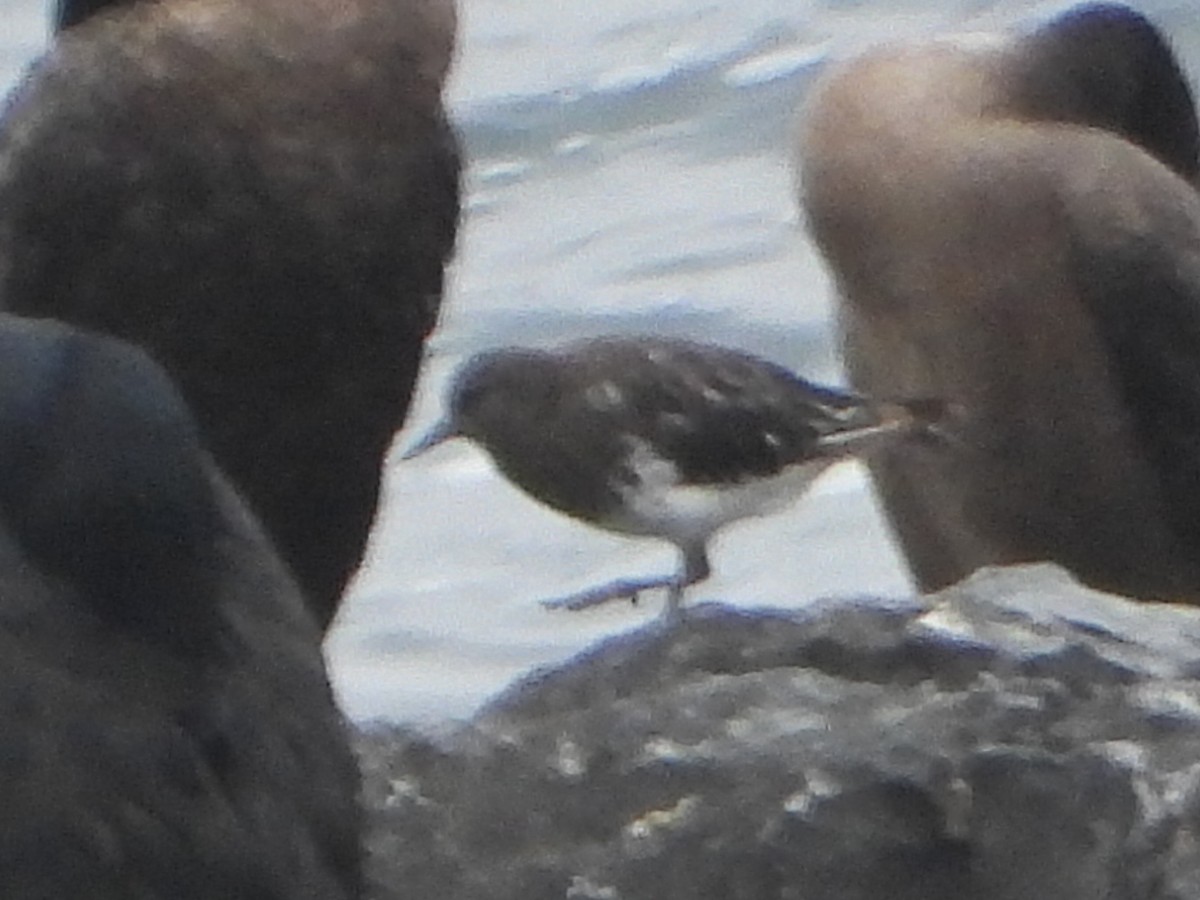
point(629, 171)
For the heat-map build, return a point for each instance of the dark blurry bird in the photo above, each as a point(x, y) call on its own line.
point(169, 731)
point(1014, 226)
point(263, 195)
point(71, 12)
point(659, 437)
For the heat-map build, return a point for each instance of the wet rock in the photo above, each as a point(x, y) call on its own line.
point(1016, 736)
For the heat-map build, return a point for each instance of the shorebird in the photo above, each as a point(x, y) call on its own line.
point(664, 438)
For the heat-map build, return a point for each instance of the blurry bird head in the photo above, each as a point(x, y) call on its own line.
point(493, 390)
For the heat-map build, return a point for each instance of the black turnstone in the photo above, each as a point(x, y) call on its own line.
point(659, 437)
point(264, 195)
point(1013, 224)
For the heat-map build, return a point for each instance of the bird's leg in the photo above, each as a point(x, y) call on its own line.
point(695, 570)
point(621, 589)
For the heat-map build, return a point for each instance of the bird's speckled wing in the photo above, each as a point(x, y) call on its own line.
point(716, 414)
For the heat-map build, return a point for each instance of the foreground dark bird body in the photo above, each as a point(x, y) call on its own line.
point(665, 438)
point(1014, 226)
point(168, 728)
point(263, 194)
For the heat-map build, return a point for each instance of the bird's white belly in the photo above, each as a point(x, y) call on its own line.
point(660, 505)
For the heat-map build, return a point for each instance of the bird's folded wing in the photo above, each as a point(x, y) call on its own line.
point(725, 418)
point(1140, 283)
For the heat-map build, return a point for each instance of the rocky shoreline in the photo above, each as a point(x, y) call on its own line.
point(1016, 736)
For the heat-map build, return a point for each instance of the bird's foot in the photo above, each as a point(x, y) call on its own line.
point(622, 589)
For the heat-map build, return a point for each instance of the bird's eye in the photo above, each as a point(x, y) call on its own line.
point(467, 397)
point(470, 392)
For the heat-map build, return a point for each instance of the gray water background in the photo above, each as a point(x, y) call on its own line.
point(630, 170)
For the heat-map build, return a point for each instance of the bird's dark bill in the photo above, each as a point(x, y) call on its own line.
point(442, 431)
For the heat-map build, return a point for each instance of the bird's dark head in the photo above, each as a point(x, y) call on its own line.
point(1106, 65)
point(69, 13)
point(492, 391)
point(103, 480)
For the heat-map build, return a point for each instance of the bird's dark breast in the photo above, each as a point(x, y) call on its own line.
point(571, 463)
point(272, 229)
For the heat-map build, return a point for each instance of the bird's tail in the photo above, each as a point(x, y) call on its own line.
point(871, 425)
point(926, 418)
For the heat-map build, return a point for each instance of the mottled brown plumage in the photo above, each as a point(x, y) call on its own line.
point(659, 437)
